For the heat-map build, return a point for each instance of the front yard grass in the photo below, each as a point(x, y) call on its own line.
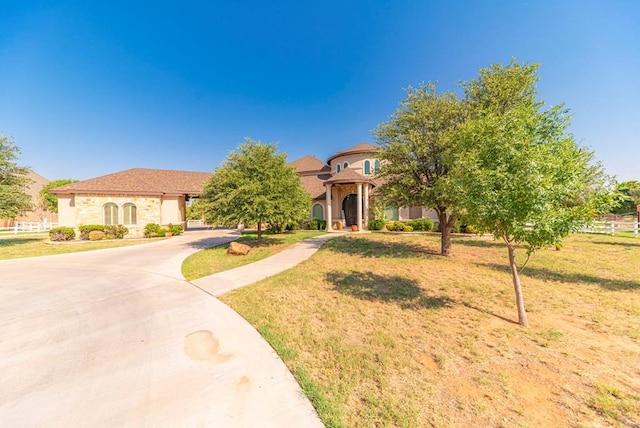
point(17, 246)
point(216, 259)
point(381, 331)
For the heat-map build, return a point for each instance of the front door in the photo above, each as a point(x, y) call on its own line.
point(350, 209)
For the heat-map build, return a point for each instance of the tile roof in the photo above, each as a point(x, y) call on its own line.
point(314, 185)
point(140, 181)
point(358, 148)
point(348, 176)
point(309, 163)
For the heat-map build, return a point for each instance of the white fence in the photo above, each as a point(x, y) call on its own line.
point(195, 223)
point(614, 228)
point(33, 226)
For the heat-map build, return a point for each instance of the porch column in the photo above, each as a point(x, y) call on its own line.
point(366, 204)
point(329, 213)
point(359, 206)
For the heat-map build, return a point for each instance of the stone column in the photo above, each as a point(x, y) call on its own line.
point(359, 206)
point(366, 204)
point(329, 215)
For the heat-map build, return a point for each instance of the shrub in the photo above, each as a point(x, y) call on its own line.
point(96, 235)
point(86, 229)
point(317, 224)
point(115, 232)
point(398, 226)
point(291, 226)
point(62, 234)
point(377, 224)
point(469, 228)
point(152, 230)
point(175, 229)
point(421, 224)
point(322, 224)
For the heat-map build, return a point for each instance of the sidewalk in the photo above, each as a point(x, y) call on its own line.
point(223, 282)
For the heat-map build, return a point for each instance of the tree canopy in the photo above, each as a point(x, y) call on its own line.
point(523, 177)
point(14, 181)
point(48, 200)
point(418, 153)
point(629, 193)
point(254, 185)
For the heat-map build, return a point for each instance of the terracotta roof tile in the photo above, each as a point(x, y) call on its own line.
point(358, 148)
point(140, 181)
point(348, 176)
point(309, 163)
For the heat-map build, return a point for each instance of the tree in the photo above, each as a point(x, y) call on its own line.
point(418, 151)
point(48, 200)
point(524, 178)
point(255, 186)
point(629, 195)
point(14, 181)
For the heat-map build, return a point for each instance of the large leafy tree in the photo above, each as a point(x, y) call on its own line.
point(629, 195)
point(48, 200)
point(14, 181)
point(255, 186)
point(522, 178)
point(419, 152)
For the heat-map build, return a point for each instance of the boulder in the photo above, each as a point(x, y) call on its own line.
point(238, 249)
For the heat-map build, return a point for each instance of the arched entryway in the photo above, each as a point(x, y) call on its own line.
point(350, 209)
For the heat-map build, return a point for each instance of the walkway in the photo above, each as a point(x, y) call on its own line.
point(117, 338)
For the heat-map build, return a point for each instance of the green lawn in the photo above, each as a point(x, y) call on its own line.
point(381, 331)
point(216, 259)
point(17, 246)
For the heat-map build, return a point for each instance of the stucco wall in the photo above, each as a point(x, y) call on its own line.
point(173, 210)
point(355, 161)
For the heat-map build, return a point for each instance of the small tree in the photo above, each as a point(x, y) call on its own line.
point(419, 152)
point(14, 181)
point(524, 177)
point(255, 186)
point(49, 201)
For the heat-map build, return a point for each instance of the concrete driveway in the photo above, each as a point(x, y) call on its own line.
point(117, 338)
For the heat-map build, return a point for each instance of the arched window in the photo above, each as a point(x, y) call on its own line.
point(376, 166)
point(345, 165)
point(129, 214)
point(110, 214)
point(367, 167)
point(317, 212)
point(338, 168)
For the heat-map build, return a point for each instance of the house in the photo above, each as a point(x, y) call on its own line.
point(342, 189)
point(134, 198)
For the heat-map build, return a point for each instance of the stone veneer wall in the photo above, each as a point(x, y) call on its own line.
point(88, 210)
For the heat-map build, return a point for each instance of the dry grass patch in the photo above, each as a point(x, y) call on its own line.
point(40, 245)
point(381, 331)
point(216, 259)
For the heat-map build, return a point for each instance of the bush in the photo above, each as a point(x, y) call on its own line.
point(153, 230)
point(421, 224)
point(376, 224)
point(291, 226)
point(469, 228)
point(175, 229)
point(115, 232)
point(316, 224)
point(62, 234)
point(398, 226)
point(96, 235)
point(86, 229)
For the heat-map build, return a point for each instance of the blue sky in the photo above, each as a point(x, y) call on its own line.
point(89, 88)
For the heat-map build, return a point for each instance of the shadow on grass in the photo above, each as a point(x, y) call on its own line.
point(9, 242)
point(629, 245)
point(373, 287)
point(371, 248)
point(550, 275)
point(479, 243)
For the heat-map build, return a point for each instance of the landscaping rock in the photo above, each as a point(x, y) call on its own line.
point(238, 249)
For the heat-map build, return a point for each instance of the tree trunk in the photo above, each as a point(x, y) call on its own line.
point(259, 231)
point(522, 314)
point(446, 224)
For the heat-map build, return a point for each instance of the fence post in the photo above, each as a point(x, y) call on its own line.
point(635, 228)
point(613, 228)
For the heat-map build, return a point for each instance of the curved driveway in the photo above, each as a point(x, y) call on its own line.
point(116, 337)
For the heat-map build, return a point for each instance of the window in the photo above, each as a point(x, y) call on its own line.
point(345, 165)
point(338, 168)
point(391, 214)
point(316, 213)
point(367, 167)
point(129, 214)
point(110, 214)
point(376, 166)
